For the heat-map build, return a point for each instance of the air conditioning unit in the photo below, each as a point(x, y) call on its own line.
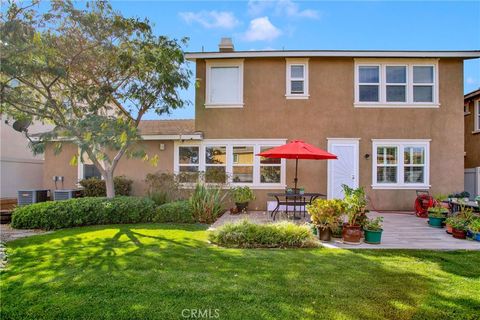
point(60, 195)
point(26, 197)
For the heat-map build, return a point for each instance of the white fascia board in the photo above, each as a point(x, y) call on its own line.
point(372, 54)
point(172, 137)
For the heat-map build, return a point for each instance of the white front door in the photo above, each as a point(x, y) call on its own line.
point(344, 170)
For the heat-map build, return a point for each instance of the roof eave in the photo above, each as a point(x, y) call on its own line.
point(192, 56)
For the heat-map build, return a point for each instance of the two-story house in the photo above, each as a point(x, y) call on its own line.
point(472, 142)
point(391, 117)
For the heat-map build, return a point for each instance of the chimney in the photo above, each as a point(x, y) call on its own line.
point(225, 45)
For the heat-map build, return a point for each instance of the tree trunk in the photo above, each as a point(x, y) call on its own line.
point(109, 184)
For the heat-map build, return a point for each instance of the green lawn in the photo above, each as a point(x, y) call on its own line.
point(156, 271)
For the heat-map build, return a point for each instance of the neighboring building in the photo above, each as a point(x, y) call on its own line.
point(471, 110)
point(19, 168)
point(391, 117)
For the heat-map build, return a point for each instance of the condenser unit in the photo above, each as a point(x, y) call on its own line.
point(26, 197)
point(60, 195)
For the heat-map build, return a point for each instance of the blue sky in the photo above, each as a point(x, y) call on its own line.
point(292, 25)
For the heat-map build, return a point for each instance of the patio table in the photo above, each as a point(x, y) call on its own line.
point(293, 199)
point(471, 204)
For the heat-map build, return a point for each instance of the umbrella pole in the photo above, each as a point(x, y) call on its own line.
point(296, 169)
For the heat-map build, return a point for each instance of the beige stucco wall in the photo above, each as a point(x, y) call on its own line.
point(135, 169)
point(329, 112)
point(20, 169)
point(472, 140)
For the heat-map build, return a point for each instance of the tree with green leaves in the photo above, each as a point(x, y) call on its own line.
point(90, 72)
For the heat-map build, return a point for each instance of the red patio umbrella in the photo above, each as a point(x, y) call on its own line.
point(297, 149)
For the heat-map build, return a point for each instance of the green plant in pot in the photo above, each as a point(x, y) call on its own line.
point(459, 226)
point(373, 230)
point(436, 216)
point(355, 202)
point(474, 229)
point(325, 215)
point(242, 196)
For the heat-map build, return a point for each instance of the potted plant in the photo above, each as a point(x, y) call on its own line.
point(477, 198)
point(474, 229)
point(325, 216)
point(459, 227)
point(436, 216)
point(355, 207)
point(448, 223)
point(373, 230)
point(241, 196)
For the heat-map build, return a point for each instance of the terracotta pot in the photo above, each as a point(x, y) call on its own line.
point(324, 234)
point(459, 234)
point(352, 234)
point(449, 228)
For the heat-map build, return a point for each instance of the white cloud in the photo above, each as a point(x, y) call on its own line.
point(211, 19)
point(286, 8)
point(291, 9)
point(261, 29)
point(471, 80)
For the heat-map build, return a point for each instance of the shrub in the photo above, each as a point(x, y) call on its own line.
point(165, 187)
point(82, 212)
point(326, 213)
point(177, 211)
point(275, 235)
point(242, 194)
point(207, 203)
point(94, 187)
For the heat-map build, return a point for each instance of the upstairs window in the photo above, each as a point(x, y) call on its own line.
point(395, 84)
point(423, 84)
point(476, 120)
point(297, 79)
point(369, 80)
point(224, 84)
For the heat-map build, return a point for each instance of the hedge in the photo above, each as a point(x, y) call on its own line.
point(94, 187)
point(177, 211)
point(245, 234)
point(52, 215)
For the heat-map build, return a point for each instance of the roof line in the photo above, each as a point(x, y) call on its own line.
point(469, 54)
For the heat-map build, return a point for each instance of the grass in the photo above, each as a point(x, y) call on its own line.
point(155, 271)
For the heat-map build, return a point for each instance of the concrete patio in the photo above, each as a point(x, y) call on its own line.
point(400, 231)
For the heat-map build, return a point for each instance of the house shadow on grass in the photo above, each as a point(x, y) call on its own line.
point(157, 271)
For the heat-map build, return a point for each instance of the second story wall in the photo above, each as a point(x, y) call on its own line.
point(329, 110)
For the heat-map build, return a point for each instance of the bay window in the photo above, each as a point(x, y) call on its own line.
point(400, 164)
point(270, 168)
point(230, 161)
point(396, 83)
point(188, 163)
point(215, 164)
point(242, 166)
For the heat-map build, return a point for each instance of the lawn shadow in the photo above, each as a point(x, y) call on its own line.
point(156, 271)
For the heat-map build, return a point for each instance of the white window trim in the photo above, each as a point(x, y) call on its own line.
point(81, 168)
point(224, 63)
point(466, 109)
point(229, 143)
point(476, 115)
point(289, 64)
point(382, 63)
point(400, 144)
